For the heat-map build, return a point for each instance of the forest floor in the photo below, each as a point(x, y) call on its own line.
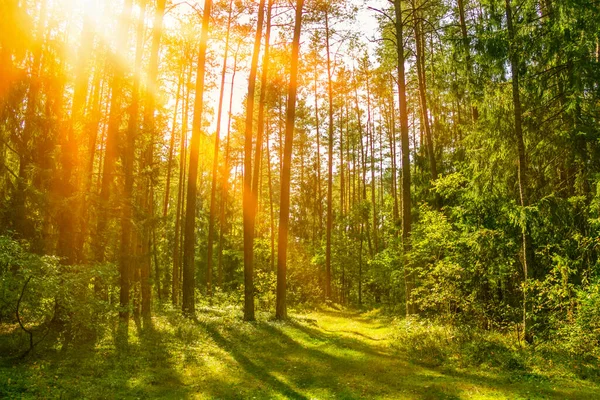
point(315, 355)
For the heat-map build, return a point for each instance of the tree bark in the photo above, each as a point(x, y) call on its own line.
point(371, 149)
point(261, 112)
point(406, 201)
point(271, 205)
point(330, 167)
point(226, 173)
point(522, 162)
point(175, 288)
point(419, 45)
point(396, 209)
point(149, 126)
point(467, 50)
point(70, 212)
point(110, 156)
point(172, 145)
point(318, 200)
point(189, 285)
point(213, 190)
point(248, 196)
point(126, 259)
point(284, 213)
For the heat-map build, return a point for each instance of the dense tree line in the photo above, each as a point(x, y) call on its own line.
point(159, 152)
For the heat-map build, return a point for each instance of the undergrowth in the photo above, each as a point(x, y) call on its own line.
point(441, 345)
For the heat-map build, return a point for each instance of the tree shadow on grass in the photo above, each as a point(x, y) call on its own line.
point(138, 365)
point(426, 382)
point(266, 352)
point(320, 367)
point(354, 333)
point(525, 385)
point(361, 373)
point(250, 366)
point(225, 358)
point(356, 315)
point(305, 366)
point(344, 313)
point(119, 365)
point(339, 341)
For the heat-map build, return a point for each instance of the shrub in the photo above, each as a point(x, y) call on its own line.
point(52, 297)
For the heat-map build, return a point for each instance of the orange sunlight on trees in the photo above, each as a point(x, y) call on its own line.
point(430, 158)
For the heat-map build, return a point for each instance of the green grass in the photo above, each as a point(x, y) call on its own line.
point(317, 355)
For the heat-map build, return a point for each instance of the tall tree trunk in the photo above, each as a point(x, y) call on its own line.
point(341, 172)
point(380, 217)
point(111, 146)
point(371, 148)
point(284, 213)
point(271, 205)
point(70, 185)
point(330, 167)
point(393, 153)
point(188, 303)
point(348, 194)
point(522, 162)
point(226, 172)
point(126, 259)
point(360, 263)
point(261, 112)
point(172, 144)
point(149, 126)
point(91, 130)
point(406, 201)
point(419, 45)
point(175, 288)
point(213, 190)
point(248, 197)
point(362, 168)
point(354, 179)
point(467, 51)
point(20, 218)
point(318, 200)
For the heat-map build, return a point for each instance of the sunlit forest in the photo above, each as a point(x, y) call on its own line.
point(301, 199)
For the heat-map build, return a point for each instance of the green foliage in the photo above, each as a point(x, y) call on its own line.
point(304, 285)
point(265, 287)
point(16, 266)
point(384, 278)
point(450, 186)
point(54, 298)
point(423, 341)
point(579, 337)
point(466, 249)
point(434, 344)
point(462, 272)
point(449, 347)
point(588, 315)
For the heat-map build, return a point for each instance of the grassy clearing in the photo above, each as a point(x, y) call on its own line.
point(316, 355)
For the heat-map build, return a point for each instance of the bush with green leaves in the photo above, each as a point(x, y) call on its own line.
point(578, 335)
point(383, 282)
point(304, 285)
point(462, 272)
point(54, 300)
